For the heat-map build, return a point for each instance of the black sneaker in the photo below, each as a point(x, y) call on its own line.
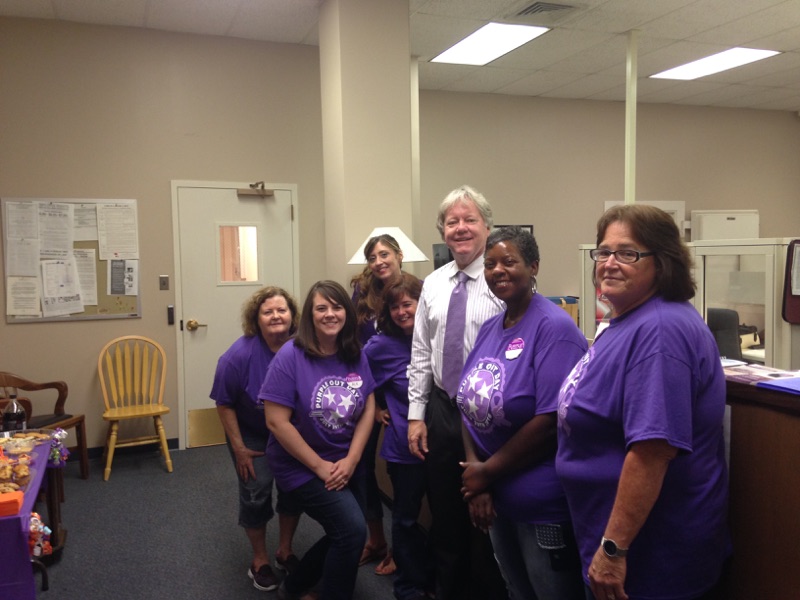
point(264, 579)
point(288, 564)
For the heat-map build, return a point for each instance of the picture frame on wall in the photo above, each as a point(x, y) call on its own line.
point(528, 228)
point(441, 255)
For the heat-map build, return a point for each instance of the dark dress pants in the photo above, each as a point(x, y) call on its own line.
point(465, 563)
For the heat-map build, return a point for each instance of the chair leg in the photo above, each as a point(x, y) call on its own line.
point(110, 444)
point(163, 437)
point(80, 432)
point(38, 565)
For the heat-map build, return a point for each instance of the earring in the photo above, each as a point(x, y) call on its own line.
point(533, 285)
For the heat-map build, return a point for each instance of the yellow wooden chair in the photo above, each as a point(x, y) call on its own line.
point(133, 373)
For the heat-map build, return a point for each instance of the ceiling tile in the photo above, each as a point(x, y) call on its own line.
point(276, 20)
point(125, 13)
point(584, 55)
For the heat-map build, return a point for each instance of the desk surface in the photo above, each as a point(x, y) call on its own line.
point(755, 355)
point(16, 573)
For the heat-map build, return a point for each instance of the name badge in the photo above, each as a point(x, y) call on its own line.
point(515, 348)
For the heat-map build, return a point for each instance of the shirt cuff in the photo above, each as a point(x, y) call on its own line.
point(416, 411)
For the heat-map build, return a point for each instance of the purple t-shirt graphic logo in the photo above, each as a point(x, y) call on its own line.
point(480, 396)
point(568, 388)
point(336, 403)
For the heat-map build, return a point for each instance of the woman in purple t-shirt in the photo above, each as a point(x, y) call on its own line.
point(319, 408)
point(508, 398)
point(389, 355)
point(384, 264)
point(641, 451)
point(269, 319)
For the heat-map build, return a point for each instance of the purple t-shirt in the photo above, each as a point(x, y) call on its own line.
point(654, 373)
point(389, 357)
point(240, 373)
point(327, 398)
point(510, 376)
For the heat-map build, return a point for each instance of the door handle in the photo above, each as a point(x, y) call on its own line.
point(192, 325)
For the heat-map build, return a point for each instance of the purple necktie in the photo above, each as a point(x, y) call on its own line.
point(453, 352)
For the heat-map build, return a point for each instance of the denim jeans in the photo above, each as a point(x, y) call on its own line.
point(334, 557)
point(531, 571)
point(255, 495)
point(409, 542)
point(373, 508)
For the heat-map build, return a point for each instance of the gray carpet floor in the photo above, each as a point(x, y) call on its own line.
point(149, 534)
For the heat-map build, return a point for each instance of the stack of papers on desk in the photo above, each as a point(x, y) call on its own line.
point(766, 377)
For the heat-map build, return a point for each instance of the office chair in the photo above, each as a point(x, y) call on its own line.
point(724, 324)
point(133, 371)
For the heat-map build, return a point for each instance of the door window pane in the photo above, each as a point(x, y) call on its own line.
point(238, 251)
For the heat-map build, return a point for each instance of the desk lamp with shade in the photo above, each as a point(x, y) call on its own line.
point(410, 251)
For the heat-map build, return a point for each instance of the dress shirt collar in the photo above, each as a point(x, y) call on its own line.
point(473, 269)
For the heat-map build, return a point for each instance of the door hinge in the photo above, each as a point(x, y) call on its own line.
point(292, 207)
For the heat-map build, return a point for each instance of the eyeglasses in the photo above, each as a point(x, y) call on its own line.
point(622, 256)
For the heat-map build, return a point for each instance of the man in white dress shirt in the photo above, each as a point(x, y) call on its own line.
point(465, 565)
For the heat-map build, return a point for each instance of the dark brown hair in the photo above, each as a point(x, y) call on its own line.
point(657, 232)
point(407, 284)
point(348, 347)
point(253, 304)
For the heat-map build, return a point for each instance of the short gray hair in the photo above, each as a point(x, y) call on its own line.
point(465, 194)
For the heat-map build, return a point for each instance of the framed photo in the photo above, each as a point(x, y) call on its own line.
point(528, 228)
point(441, 255)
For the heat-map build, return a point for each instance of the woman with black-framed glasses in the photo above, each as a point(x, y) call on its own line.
point(641, 452)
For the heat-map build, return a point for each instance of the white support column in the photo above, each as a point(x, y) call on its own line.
point(369, 131)
point(630, 118)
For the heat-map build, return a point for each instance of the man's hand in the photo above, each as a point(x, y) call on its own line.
point(418, 438)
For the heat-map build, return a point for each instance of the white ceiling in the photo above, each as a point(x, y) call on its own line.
point(584, 56)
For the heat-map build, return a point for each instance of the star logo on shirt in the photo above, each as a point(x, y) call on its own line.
point(480, 396)
point(346, 403)
point(337, 405)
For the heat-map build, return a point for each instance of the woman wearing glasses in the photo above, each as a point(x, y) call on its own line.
point(641, 452)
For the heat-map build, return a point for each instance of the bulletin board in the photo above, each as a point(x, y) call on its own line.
point(70, 259)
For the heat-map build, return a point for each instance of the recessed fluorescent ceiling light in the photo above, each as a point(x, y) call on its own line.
point(735, 57)
point(488, 43)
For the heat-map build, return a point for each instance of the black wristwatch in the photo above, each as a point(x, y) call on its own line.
point(612, 550)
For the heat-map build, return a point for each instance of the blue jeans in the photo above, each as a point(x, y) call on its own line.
point(255, 495)
point(334, 557)
point(533, 572)
point(409, 542)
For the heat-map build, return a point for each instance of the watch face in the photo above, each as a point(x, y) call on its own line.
point(610, 547)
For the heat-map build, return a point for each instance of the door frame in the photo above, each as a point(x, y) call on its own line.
point(175, 185)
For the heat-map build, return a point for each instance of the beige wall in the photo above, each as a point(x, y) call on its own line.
point(100, 112)
point(553, 163)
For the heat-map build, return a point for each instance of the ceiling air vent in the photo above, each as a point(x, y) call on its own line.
point(541, 13)
point(538, 8)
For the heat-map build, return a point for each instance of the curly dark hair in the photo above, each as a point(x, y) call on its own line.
point(655, 230)
point(348, 346)
point(407, 284)
point(252, 305)
point(522, 239)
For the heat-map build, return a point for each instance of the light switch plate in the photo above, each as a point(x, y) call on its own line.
point(163, 282)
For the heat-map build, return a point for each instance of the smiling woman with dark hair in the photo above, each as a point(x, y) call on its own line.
point(319, 409)
point(389, 354)
point(508, 396)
